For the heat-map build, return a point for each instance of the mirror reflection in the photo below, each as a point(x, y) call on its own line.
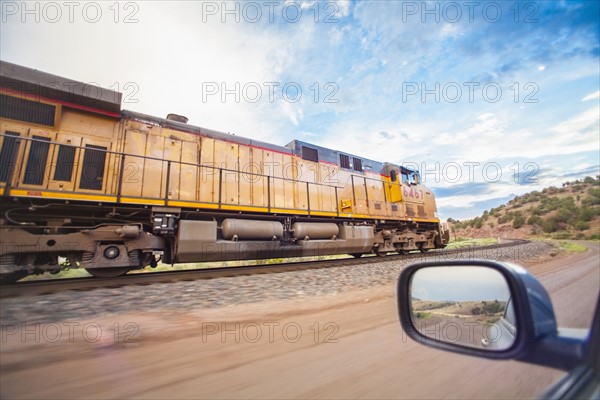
point(463, 305)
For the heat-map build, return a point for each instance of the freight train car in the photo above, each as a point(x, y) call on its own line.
point(85, 184)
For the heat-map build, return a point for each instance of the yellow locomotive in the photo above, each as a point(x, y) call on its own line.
point(111, 190)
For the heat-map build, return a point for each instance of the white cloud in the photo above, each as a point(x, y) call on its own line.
point(450, 30)
point(343, 7)
point(170, 66)
point(592, 96)
point(577, 125)
point(305, 4)
point(446, 138)
point(292, 111)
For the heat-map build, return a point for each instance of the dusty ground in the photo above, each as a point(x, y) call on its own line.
point(345, 346)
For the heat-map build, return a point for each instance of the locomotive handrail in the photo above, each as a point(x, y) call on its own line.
point(120, 158)
point(158, 159)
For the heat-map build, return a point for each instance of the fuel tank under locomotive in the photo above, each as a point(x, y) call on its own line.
point(238, 239)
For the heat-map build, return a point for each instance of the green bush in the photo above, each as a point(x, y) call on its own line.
point(564, 215)
point(505, 218)
point(590, 201)
point(581, 225)
point(518, 222)
point(550, 225)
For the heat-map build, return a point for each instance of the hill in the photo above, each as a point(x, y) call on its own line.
point(569, 212)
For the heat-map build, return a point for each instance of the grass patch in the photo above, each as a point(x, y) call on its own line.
point(82, 273)
point(238, 263)
point(70, 273)
point(559, 246)
point(461, 242)
point(423, 315)
point(572, 247)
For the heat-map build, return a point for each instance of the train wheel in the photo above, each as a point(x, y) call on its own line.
point(400, 250)
point(356, 255)
point(379, 253)
point(108, 272)
point(422, 249)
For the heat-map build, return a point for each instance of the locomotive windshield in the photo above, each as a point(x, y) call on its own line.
point(405, 176)
point(410, 177)
point(414, 178)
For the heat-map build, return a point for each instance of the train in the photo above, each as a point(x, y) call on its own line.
point(87, 184)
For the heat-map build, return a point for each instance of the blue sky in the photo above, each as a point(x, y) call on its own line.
point(489, 99)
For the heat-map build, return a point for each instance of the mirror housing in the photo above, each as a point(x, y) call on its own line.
point(537, 338)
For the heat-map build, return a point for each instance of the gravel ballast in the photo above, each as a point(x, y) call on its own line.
point(219, 292)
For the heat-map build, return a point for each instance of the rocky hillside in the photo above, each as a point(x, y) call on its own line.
point(569, 212)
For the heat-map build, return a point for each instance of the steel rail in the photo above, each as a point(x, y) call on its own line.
point(33, 288)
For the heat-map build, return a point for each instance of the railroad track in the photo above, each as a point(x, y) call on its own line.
point(32, 288)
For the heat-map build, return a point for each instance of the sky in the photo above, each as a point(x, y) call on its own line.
point(459, 283)
point(488, 99)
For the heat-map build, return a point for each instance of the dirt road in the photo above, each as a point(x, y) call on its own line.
point(345, 346)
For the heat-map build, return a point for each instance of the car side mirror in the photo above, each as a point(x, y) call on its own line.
point(486, 309)
point(463, 304)
point(393, 175)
